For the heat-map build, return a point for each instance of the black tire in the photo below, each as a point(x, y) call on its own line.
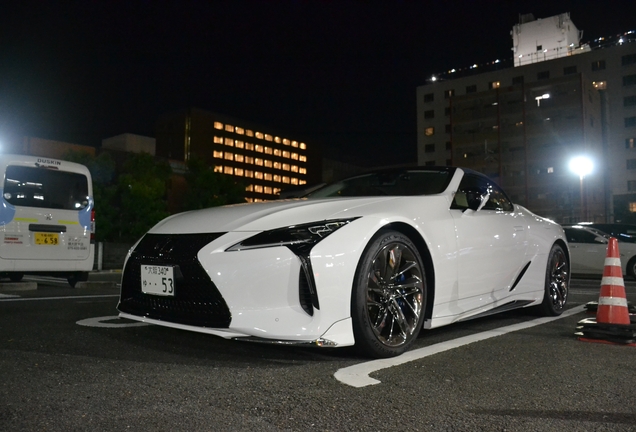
point(557, 282)
point(16, 277)
point(631, 268)
point(388, 299)
point(76, 277)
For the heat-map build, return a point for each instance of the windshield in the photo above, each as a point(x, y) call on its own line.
point(391, 183)
point(45, 188)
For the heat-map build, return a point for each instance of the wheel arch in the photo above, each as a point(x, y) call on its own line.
point(427, 259)
point(566, 250)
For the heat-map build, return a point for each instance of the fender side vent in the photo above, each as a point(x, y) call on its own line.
point(304, 293)
point(523, 271)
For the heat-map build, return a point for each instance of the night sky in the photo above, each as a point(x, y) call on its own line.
point(342, 74)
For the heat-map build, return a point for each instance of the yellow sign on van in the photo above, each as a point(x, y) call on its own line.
point(47, 238)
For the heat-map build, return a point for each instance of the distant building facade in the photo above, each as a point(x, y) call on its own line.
point(267, 161)
point(523, 125)
point(130, 143)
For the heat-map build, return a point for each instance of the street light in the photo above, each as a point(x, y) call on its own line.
point(582, 166)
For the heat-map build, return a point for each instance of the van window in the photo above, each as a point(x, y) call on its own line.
point(45, 188)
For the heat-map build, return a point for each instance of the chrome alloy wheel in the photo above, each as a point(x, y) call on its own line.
point(559, 279)
point(395, 294)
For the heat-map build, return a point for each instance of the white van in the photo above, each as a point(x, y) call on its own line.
point(47, 221)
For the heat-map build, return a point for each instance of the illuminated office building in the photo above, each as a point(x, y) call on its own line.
point(265, 160)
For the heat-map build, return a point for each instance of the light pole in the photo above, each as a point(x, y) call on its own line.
point(582, 166)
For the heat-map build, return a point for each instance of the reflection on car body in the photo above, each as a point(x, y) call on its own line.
point(368, 260)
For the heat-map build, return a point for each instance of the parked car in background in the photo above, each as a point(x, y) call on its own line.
point(588, 249)
point(623, 232)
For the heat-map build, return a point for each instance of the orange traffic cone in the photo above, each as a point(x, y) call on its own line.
point(612, 323)
point(612, 302)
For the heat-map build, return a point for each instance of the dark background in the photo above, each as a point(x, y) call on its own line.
point(341, 73)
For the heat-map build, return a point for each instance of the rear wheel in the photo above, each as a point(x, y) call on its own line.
point(76, 277)
point(389, 296)
point(16, 277)
point(557, 282)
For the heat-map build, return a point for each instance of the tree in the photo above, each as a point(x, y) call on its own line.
point(207, 188)
point(141, 189)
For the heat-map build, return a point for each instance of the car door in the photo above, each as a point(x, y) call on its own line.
point(491, 241)
point(587, 251)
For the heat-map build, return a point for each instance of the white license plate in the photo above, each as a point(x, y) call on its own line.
point(157, 280)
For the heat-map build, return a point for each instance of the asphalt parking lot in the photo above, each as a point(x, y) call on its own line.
point(68, 363)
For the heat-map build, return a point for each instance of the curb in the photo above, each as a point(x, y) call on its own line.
point(18, 286)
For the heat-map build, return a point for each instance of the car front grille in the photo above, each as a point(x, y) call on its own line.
point(196, 302)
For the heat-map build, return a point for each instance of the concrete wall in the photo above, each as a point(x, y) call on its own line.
point(112, 255)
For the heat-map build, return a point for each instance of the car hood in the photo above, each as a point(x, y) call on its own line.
point(263, 216)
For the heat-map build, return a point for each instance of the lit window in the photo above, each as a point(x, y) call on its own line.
point(218, 168)
point(217, 154)
point(302, 170)
point(632, 207)
point(249, 173)
point(238, 144)
point(302, 158)
point(268, 150)
point(218, 125)
point(249, 200)
point(249, 133)
point(249, 159)
point(303, 146)
point(519, 123)
point(229, 142)
point(285, 167)
point(294, 143)
point(239, 158)
point(267, 176)
point(228, 170)
point(294, 181)
point(277, 139)
point(249, 146)
point(277, 165)
point(550, 170)
point(277, 178)
point(238, 171)
point(277, 152)
point(258, 161)
point(294, 156)
point(630, 143)
point(249, 188)
point(429, 131)
point(239, 130)
point(600, 85)
point(258, 188)
point(259, 135)
point(276, 190)
point(259, 148)
point(229, 128)
point(286, 141)
point(268, 137)
point(285, 154)
point(302, 182)
point(229, 156)
point(495, 84)
point(258, 175)
point(267, 190)
point(268, 163)
point(285, 179)
point(294, 168)
point(218, 140)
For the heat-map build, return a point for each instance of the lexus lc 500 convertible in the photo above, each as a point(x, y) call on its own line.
point(369, 261)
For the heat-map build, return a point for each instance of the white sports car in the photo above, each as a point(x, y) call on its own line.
point(367, 261)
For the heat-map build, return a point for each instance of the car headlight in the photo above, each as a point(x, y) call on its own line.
point(296, 237)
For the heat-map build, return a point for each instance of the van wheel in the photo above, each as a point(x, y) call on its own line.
point(74, 278)
point(16, 277)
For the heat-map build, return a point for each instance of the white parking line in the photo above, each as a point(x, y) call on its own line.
point(58, 298)
point(6, 296)
point(358, 375)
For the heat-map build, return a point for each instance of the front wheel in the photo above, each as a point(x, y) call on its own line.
point(15, 277)
point(389, 296)
point(557, 282)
